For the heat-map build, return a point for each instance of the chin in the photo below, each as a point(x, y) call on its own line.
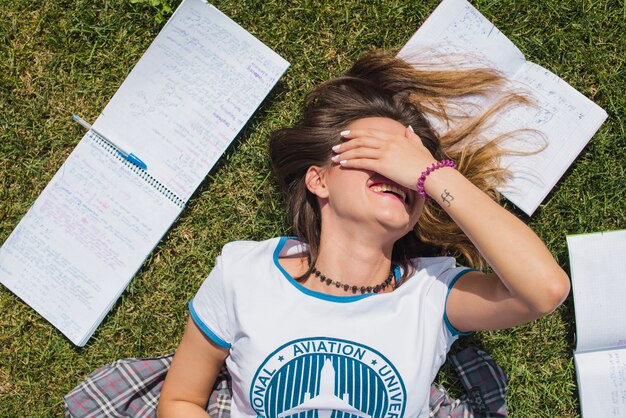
point(400, 224)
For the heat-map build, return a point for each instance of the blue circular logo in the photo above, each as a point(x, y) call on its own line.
point(327, 377)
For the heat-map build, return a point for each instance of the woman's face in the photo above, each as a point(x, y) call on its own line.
point(366, 198)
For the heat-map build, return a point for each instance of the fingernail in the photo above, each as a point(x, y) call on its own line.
point(336, 147)
point(344, 133)
point(343, 162)
point(411, 128)
point(335, 158)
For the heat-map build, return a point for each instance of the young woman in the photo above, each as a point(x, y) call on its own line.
point(352, 317)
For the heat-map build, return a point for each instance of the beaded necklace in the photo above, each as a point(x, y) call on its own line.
point(346, 287)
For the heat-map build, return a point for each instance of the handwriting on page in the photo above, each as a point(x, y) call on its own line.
point(87, 234)
point(457, 31)
point(190, 94)
point(563, 115)
point(469, 27)
point(602, 383)
point(617, 376)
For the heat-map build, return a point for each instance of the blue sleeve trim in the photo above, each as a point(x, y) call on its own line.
point(206, 330)
point(455, 332)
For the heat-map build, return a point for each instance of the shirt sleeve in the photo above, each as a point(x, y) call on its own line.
point(209, 308)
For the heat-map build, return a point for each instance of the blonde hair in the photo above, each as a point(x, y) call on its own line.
point(465, 102)
point(381, 84)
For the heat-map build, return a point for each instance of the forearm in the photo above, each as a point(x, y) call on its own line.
point(527, 282)
point(512, 249)
point(177, 409)
point(191, 375)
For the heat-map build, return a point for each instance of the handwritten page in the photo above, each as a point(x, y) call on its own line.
point(84, 238)
point(457, 28)
point(602, 383)
point(598, 269)
point(90, 230)
point(190, 94)
point(565, 118)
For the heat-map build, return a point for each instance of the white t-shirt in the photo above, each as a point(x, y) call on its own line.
point(294, 350)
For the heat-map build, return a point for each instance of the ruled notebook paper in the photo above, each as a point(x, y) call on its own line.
point(193, 90)
point(566, 117)
point(598, 269)
point(84, 239)
point(90, 230)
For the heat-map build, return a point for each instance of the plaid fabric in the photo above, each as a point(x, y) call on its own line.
point(131, 388)
point(442, 405)
point(484, 382)
point(128, 387)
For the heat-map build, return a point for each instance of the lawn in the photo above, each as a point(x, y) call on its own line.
point(63, 57)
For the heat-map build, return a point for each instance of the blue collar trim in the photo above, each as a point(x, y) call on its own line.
point(320, 295)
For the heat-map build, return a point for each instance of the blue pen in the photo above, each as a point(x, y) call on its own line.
point(128, 156)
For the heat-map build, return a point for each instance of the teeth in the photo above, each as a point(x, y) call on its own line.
point(390, 188)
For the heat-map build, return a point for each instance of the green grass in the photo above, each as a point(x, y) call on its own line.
point(63, 57)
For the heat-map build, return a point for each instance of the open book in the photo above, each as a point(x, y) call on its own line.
point(598, 268)
point(100, 216)
point(566, 118)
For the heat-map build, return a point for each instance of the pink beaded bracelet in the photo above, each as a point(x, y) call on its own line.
point(420, 183)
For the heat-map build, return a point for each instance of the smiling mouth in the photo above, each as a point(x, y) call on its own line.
point(390, 189)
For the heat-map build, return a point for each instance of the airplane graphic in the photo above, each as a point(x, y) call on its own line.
point(326, 402)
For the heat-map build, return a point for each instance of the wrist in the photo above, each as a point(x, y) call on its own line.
point(438, 165)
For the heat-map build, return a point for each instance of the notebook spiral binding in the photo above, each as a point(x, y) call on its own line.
point(171, 196)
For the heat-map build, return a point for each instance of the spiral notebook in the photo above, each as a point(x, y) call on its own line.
point(95, 223)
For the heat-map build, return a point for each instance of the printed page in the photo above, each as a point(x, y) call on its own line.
point(598, 269)
point(190, 94)
point(83, 239)
point(456, 28)
point(564, 119)
point(602, 383)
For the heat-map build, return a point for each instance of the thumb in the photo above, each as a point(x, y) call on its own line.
point(410, 133)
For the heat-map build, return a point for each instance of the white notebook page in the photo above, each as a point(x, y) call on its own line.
point(598, 269)
point(566, 118)
point(602, 383)
point(187, 98)
point(84, 238)
point(456, 28)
